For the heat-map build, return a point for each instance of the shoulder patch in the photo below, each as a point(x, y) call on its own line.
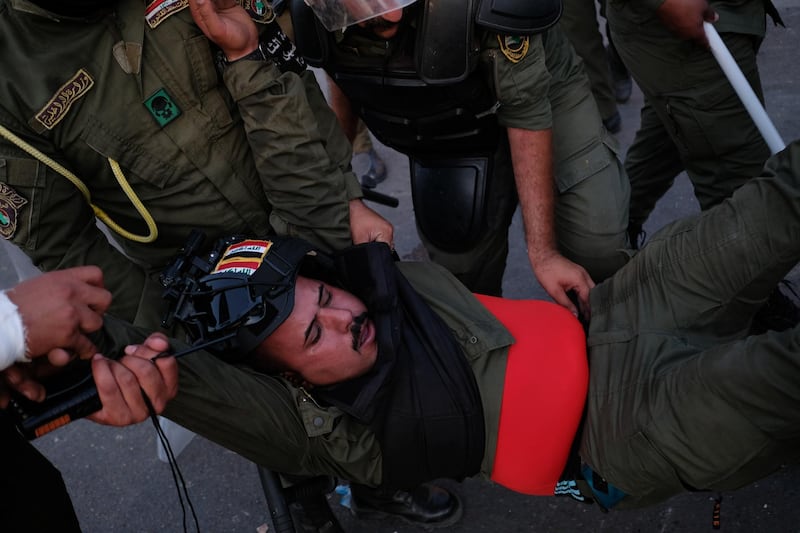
point(162, 107)
point(58, 106)
point(259, 10)
point(157, 11)
point(10, 203)
point(514, 47)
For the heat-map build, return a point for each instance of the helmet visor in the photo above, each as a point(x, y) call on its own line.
point(338, 14)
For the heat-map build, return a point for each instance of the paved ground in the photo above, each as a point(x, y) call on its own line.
point(118, 484)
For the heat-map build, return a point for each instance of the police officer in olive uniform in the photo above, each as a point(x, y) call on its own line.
point(692, 119)
point(489, 113)
point(141, 105)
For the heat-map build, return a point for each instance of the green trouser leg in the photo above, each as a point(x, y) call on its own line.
point(579, 22)
point(652, 163)
point(591, 217)
point(714, 137)
point(680, 398)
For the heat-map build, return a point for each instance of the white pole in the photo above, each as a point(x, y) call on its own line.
point(743, 89)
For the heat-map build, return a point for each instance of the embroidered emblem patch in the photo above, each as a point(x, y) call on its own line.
point(162, 107)
point(158, 11)
point(10, 203)
point(58, 106)
point(243, 257)
point(260, 11)
point(514, 47)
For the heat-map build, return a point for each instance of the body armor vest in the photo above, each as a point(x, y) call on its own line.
point(408, 111)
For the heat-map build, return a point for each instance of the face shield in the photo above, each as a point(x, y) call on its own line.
point(338, 14)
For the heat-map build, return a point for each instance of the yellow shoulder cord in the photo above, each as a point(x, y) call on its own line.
point(99, 213)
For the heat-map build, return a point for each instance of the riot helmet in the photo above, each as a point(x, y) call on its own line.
point(239, 293)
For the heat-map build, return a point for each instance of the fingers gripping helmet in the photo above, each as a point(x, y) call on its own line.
point(239, 294)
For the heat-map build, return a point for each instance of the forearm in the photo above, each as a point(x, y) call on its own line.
point(308, 189)
point(531, 153)
point(341, 106)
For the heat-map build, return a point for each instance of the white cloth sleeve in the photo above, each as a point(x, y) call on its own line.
point(12, 334)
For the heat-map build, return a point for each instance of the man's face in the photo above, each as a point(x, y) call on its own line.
point(327, 337)
point(384, 26)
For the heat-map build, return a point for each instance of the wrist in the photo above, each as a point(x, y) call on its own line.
point(541, 254)
point(257, 54)
point(12, 333)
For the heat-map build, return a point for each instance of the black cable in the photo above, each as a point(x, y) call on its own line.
point(183, 491)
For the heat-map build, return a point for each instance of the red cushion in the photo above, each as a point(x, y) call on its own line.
point(547, 376)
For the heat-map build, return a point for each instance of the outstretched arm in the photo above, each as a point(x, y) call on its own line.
point(301, 154)
point(122, 384)
point(532, 157)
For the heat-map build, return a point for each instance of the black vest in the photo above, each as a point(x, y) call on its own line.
point(421, 398)
point(402, 107)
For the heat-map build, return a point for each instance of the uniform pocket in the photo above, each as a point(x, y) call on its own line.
point(642, 472)
point(22, 181)
point(579, 167)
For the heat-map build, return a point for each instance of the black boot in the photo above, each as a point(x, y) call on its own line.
point(428, 505)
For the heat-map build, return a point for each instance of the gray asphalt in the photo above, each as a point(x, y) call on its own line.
point(117, 482)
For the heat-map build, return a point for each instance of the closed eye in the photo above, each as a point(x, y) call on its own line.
point(314, 330)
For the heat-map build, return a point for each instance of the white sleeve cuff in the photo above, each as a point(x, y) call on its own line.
point(12, 334)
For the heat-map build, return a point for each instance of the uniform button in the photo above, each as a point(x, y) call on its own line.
point(318, 421)
point(473, 340)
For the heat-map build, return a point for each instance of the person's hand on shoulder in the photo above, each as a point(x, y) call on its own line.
point(123, 384)
point(227, 25)
point(558, 275)
point(58, 309)
point(685, 18)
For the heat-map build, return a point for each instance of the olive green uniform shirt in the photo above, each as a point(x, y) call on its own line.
point(251, 152)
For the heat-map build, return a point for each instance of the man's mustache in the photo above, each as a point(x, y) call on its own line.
point(355, 329)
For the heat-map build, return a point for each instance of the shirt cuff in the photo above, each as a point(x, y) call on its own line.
point(12, 334)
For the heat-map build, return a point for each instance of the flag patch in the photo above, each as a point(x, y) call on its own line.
point(243, 257)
